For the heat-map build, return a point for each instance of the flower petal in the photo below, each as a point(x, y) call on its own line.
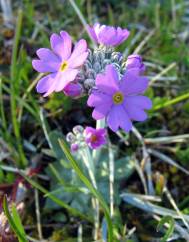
point(47, 55)
point(107, 35)
point(61, 45)
point(44, 67)
point(109, 81)
point(132, 83)
point(97, 98)
point(45, 83)
point(136, 113)
point(118, 117)
point(63, 78)
point(101, 111)
point(123, 35)
point(101, 132)
point(112, 119)
point(80, 48)
point(92, 33)
point(78, 60)
point(67, 45)
point(138, 101)
point(124, 119)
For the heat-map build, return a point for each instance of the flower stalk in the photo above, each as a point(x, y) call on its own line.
point(111, 179)
point(88, 161)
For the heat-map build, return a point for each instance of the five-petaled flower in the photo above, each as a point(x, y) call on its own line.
point(108, 35)
point(95, 138)
point(61, 63)
point(119, 101)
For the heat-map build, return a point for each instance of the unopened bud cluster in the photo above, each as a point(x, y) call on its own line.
point(96, 63)
point(76, 138)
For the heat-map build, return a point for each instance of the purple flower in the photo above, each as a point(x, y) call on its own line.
point(135, 61)
point(61, 63)
point(119, 101)
point(108, 35)
point(73, 89)
point(95, 138)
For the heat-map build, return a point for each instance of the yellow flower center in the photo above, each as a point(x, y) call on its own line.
point(64, 66)
point(118, 97)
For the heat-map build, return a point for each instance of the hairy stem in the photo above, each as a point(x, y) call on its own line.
point(87, 158)
point(111, 179)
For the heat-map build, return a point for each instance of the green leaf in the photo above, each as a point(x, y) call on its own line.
point(55, 199)
point(88, 184)
point(14, 221)
point(169, 220)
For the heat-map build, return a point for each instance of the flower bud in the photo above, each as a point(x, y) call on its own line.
point(116, 56)
point(89, 83)
point(135, 61)
point(97, 67)
point(78, 129)
point(70, 137)
point(73, 89)
point(74, 147)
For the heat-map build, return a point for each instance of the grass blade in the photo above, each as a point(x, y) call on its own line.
point(81, 17)
point(13, 75)
point(168, 160)
point(2, 111)
point(149, 207)
point(14, 221)
point(170, 230)
point(17, 221)
point(172, 101)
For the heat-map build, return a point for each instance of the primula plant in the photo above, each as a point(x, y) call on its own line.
point(114, 87)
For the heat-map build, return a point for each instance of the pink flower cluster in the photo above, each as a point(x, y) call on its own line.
point(94, 138)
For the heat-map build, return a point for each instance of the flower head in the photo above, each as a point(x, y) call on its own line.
point(95, 138)
point(119, 101)
point(61, 63)
point(108, 35)
point(135, 61)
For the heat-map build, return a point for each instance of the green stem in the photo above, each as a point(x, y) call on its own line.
point(96, 152)
point(88, 161)
point(111, 179)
